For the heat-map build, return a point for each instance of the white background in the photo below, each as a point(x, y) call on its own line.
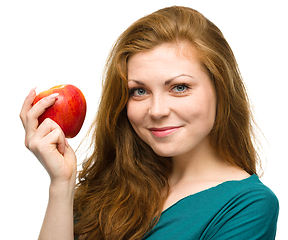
point(46, 43)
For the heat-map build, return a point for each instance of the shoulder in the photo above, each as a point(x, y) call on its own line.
point(252, 210)
point(251, 191)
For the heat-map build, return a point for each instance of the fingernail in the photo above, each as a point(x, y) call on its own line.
point(66, 143)
point(32, 91)
point(54, 95)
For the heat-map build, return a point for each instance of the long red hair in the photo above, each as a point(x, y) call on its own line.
point(120, 190)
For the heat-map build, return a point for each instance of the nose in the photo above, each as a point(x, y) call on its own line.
point(159, 108)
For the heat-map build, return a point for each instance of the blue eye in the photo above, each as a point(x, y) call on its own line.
point(137, 92)
point(180, 88)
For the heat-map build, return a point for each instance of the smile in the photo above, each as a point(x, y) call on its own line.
point(163, 132)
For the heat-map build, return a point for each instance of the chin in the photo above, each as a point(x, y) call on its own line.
point(165, 152)
point(164, 155)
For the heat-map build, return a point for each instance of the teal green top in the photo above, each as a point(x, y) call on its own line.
point(233, 210)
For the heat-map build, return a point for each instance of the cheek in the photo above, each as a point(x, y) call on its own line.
point(202, 110)
point(134, 113)
point(130, 112)
point(209, 111)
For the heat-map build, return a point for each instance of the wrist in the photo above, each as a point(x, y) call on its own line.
point(63, 191)
point(63, 184)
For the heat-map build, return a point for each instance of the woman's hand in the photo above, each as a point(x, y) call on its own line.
point(47, 141)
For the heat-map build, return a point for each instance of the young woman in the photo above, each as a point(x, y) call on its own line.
point(173, 143)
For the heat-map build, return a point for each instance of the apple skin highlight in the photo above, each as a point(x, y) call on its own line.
point(68, 111)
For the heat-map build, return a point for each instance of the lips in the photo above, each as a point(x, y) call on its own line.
point(163, 132)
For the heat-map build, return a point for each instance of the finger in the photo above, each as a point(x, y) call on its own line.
point(70, 157)
point(56, 140)
point(27, 105)
point(57, 137)
point(33, 114)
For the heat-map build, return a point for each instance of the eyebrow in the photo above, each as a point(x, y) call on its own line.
point(166, 82)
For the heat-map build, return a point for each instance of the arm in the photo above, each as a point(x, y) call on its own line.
point(48, 143)
point(58, 220)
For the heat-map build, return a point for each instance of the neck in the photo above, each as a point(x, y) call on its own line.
point(198, 164)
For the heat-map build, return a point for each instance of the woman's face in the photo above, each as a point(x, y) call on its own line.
point(172, 102)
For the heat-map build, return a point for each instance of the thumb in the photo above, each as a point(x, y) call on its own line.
point(70, 156)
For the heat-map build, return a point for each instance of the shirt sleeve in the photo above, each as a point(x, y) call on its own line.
point(252, 215)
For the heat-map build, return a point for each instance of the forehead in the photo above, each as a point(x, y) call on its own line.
point(166, 59)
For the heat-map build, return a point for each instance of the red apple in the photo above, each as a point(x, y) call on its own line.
point(68, 111)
